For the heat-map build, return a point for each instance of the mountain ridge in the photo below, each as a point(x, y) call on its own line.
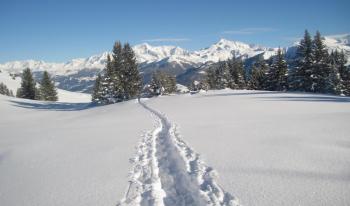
point(79, 74)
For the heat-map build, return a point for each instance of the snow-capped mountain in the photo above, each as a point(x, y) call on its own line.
point(146, 54)
point(79, 74)
point(225, 49)
point(334, 42)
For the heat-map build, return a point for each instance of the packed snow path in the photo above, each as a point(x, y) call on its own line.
point(168, 172)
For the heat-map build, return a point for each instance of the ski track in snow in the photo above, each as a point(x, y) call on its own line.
point(167, 172)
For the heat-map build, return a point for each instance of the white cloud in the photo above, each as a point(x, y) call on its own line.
point(247, 31)
point(166, 40)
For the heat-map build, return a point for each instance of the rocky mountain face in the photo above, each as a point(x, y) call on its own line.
point(79, 74)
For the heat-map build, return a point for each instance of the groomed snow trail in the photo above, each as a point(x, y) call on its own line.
point(167, 172)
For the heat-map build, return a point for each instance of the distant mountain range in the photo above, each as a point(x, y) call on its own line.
point(79, 74)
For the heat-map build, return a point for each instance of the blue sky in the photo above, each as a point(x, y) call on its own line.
point(59, 30)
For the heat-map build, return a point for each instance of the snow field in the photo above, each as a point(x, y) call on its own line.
point(172, 173)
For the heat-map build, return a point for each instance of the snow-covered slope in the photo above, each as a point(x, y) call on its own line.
point(269, 148)
point(58, 154)
point(264, 148)
point(13, 83)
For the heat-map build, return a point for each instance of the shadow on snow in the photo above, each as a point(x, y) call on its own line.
point(287, 96)
point(55, 106)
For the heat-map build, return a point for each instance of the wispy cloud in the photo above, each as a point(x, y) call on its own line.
point(247, 31)
point(166, 40)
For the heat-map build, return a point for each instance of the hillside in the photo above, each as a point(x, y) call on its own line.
point(266, 148)
point(13, 83)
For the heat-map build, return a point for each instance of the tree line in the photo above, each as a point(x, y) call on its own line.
point(120, 79)
point(28, 89)
point(314, 69)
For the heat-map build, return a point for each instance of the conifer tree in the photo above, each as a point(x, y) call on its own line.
point(222, 75)
point(107, 81)
point(258, 76)
point(236, 80)
point(162, 83)
point(130, 77)
point(339, 61)
point(210, 78)
point(27, 89)
point(277, 75)
point(334, 82)
point(4, 90)
point(301, 75)
point(47, 88)
point(117, 72)
point(97, 90)
point(321, 67)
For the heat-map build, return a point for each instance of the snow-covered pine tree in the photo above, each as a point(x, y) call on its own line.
point(258, 76)
point(156, 85)
point(210, 78)
point(117, 67)
point(301, 75)
point(339, 81)
point(277, 73)
point(130, 76)
point(281, 72)
point(27, 89)
point(236, 72)
point(162, 83)
point(97, 90)
point(107, 87)
point(199, 85)
point(4, 90)
point(346, 81)
point(334, 81)
point(222, 76)
point(170, 84)
point(47, 88)
point(321, 68)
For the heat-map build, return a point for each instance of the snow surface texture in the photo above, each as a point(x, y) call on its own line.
point(270, 148)
point(168, 172)
point(66, 153)
point(63, 95)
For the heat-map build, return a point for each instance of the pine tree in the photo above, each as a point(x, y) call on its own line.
point(27, 89)
point(4, 90)
point(334, 81)
point(197, 86)
point(97, 90)
point(47, 88)
point(130, 77)
point(346, 81)
point(117, 72)
point(222, 75)
point(236, 79)
point(258, 76)
point(321, 67)
point(210, 78)
point(301, 75)
point(278, 79)
point(344, 73)
point(162, 83)
point(107, 81)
